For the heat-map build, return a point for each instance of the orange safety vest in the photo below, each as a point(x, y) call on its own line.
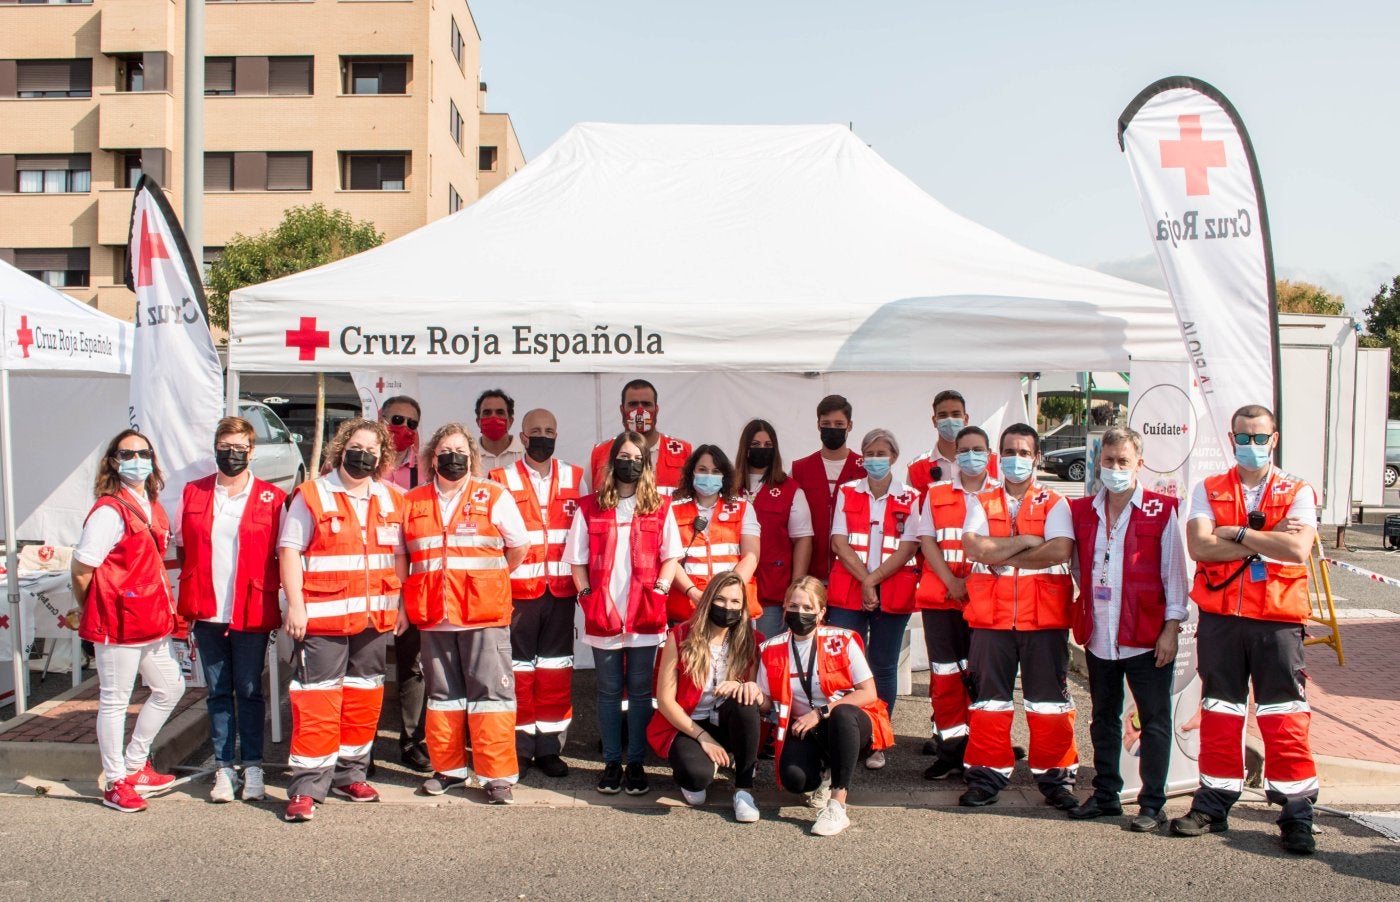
point(921, 472)
point(948, 509)
point(456, 571)
point(544, 565)
point(1283, 593)
point(833, 674)
point(709, 553)
point(1019, 599)
point(897, 591)
point(348, 579)
point(671, 455)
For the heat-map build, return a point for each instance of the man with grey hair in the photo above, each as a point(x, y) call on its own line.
point(1132, 602)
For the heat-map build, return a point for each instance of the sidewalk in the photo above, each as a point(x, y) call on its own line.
point(1356, 708)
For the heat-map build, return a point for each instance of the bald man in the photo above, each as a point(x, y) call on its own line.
point(542, 626)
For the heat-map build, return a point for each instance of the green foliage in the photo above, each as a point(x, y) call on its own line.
point(1054, 408)
point(1383, 331)
point(306, 238)
point(1305, 297)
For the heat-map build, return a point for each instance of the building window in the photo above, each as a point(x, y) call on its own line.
point(129, 168)
point(374, 76)
point(46, 2)
point(487, 159)
point(454, 125)
point(459, 46)
point(454, 200)
point(65, 267)
point(375, 172)
point(211, 256)
point(218, 75)
point(218, 172)
point(131, 73)
point(58, 174)
point(53, 78)
point(257, 76)
point(257, 171)
point(289, 75)
point(289, 171)
point(121, 263)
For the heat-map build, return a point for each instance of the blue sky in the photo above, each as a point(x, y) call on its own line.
point(1006, 112)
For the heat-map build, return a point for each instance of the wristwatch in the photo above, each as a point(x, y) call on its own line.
point(824, 712)
point(587, 591)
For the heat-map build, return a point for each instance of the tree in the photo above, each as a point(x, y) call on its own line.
point(306, 238)
point(1383, 331)
point(1305, 297)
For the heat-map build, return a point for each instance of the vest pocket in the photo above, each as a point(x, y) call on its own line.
point(143, 612)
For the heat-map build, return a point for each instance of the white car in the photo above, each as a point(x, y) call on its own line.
point(276, 458)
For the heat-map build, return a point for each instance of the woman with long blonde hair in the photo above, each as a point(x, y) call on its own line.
point(706, 698)
point(623, 547)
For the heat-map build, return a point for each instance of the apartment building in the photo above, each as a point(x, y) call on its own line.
point(375, 107)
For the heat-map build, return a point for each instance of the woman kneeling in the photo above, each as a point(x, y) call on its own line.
point(707, 701)
point(819, 682)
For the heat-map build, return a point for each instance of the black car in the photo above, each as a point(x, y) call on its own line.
point(1067, 463)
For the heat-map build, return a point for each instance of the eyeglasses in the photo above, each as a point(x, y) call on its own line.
point(225, 446)
point(1258, 438)
point(129, 454)
point(400, 420)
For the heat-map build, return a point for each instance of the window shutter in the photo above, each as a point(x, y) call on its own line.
point(289, 75)
point(31, 259)
point(218, 172)
point(218, 74)
point(364, 173)
point(393, 78)
point(288, 171)
point(37, 76)
point(80, 76)
point(34, 162)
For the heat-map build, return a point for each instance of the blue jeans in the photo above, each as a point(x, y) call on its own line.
point(233, 667)
point(770, 622)
point(883, 634)
point(638, 668)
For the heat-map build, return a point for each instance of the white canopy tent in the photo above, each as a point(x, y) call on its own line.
point(70, 366)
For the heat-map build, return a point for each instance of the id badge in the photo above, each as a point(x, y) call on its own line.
point(1103, 593)
point(1258, 572)
point(465, 529)
point(388, 535)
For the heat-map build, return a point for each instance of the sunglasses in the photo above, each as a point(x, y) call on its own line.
point(128, 454)
point(1258, 438)
point(400, 420)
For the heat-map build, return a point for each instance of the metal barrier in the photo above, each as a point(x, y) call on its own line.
point(1324, 612)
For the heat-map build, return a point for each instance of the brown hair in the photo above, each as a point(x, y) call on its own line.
point(648, 498)
point(774, 475)
point(834, 404)
point(694, 650)
point(1122, 435)
point(109, 480)
point(428, 457)
point(335, 449)
point(812, 586)
point(1250, 411)
point(685, 487)
point(236, 426)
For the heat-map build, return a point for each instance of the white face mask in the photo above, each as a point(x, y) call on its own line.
point(1116, 481)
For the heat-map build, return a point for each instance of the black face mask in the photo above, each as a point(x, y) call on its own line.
point(540, 448)
point(724, 618)
point(800, 622)
point(833, 437)
point(231, 462)
point(759, 458)
point(451, 465)
point(627, 471)
point(359, 463)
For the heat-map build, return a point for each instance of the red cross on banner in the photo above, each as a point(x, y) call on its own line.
point(152, 248)
point(24, 335)
point(307, 339)
point(1193, 155)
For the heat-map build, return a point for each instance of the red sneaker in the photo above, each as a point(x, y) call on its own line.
point(299, 808)
point(121, 796)
point(147, 780)
point(359, 791)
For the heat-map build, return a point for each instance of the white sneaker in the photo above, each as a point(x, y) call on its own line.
point(875, 761)
point(253, 788)
point(745, 811)
point(225, 785)
point(832, 820)
point(694, 799)
point(818, 797)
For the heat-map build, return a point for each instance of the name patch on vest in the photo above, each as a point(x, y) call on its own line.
point(387, 535)
point(465, 529)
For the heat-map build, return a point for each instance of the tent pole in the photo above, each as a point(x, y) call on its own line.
point(1033, 401)
point(231, 391)
point(7, 466)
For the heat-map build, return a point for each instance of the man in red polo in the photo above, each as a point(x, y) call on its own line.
point(822, 472)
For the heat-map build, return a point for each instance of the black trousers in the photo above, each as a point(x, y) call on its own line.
point(1151, 687)
point(408, 671)
point(737, 731)
point(836, 743)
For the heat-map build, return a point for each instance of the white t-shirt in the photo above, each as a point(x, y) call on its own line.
point(877, 518)
point(719, 666)
point(748, 528)
point(860, 672)
point(926, 525)
point(105, 528)
point(228, 514)
point(799, 525)
point(299, 527)
point(505, 516)
point(576, 551)
point(513, 452)
point(1304, 506)
point(1059, 523)
point(833, 473)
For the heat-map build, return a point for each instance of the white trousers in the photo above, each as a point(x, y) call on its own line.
point(117, 666)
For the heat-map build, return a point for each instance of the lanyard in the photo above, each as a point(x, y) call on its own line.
point(1109, 532)
point(1268, 486)
point(805, 676)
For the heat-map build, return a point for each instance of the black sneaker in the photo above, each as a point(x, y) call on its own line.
point(635, 782)
point(942, 770)
point(1197, 823)
point(1093, 808)
point(1297, 837)
point(930, 747)
point(415, 759)
point(978, 798)
point(552, 766)
point(610, 783)
point(1063, 799)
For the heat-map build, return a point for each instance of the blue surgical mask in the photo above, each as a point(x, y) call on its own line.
point(877, 467)
point(949, 428)
point(707, 483)
point(973, 463)
point(1116, 481)
point(1253, 457)
point(1017, 469)
point(135, 471)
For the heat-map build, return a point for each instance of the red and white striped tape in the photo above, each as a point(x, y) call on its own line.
point(1359, 571)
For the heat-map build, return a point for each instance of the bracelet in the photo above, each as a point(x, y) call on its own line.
point(662, 587)
point(1239, 536)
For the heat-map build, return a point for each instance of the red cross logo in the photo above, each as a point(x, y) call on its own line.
point(1152, 507)
point(379, 386)
point(1192, 155)
point(731, 507)
point(674, 446)
point(1041, 498)
point(4, 621)
point(265, 497)
point(776, 492)
point(860, 461)
point(307, 339)
point(24, 335)
point(1283, 487)
point(481, 496)
point(63, 622)
point(832, 646)
point(905, 497)
point(570, 507)
point(45, 553)
point(152, 248)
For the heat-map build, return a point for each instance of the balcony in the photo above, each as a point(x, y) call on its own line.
point(137, 26)
point(50, 220)
point(129, 119)
point(113, 215)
